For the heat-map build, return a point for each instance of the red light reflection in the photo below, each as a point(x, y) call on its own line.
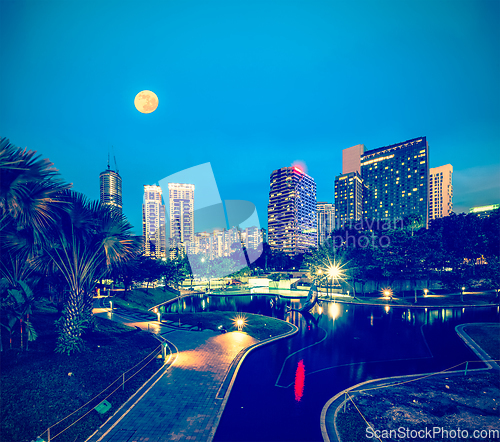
point(300, 376)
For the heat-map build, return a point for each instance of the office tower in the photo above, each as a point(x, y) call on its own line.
point(349, 191)
point(111, 189)
point(292, 211)
point(153, 223)
point(397, 177)
point(181, 215)
point(351, 158)
point(485, 211)
point(440, 191)
point(326, 220)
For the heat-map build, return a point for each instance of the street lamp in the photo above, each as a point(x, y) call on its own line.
point(240, 321)
point(387, 293)
point(334, 273)
point(158, 314)
point(425, 292)
point(462, 294)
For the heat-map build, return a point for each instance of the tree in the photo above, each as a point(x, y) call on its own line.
point(91, 241)
point(17, 301)
point(173, 271)
point(148, 270)
point(30, 200)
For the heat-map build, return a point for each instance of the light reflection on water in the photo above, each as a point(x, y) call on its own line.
point(285, 385)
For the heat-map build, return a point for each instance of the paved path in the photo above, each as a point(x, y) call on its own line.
point(180, 401)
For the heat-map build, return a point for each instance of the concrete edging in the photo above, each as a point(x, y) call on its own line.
point(483, 356)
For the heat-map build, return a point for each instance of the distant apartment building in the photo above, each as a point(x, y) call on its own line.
point(326, 220)
point(111, 189)
point(349, 192)
point(181, 218)
point(440, 191)
point(485, 211)
point(153, 223)
point(292, 225)
point(224, 242)
point(397, 180)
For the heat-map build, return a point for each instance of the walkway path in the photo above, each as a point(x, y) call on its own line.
point(180, 401)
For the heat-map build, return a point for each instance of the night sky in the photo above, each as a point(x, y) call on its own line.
point(251, 86)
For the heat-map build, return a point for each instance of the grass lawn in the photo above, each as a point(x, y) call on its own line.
point(487, 336)
point(138, 299)
point(258, 326)
point(40, 387)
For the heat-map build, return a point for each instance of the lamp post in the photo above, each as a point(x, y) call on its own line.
point(333, 273)
point(425, 292)
point(158, 314)
point(320, 272)
point(462, 295)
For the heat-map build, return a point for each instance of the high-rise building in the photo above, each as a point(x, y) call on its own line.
point(440, 191)
point(349, 191)
point(111, 189)
point(397, 179)
point(181, 216)
point(153, 223)
point(351, 158)
point(292, 211)
point(326, 220)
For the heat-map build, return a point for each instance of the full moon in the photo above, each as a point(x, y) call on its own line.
point(146, 102)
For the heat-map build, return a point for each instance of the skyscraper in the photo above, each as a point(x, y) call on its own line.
point(153, 223)
point(440, 191)
point(326, 220)
point(292, 211)
point(397, 179)
point(349, 191)
point(351, 158)
point(181, 216)
point(111, 189)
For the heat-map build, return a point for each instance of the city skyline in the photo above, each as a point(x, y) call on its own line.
point(252, 88)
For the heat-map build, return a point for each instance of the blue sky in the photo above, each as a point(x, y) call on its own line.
point(251, 86)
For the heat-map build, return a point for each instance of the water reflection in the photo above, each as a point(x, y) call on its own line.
point(333, 310)
point(337, 346)
point(300, 376)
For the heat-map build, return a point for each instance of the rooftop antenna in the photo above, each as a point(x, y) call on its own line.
point(108, 159)
point(114, 157)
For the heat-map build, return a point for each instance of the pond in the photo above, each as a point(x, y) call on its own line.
point(281, 388)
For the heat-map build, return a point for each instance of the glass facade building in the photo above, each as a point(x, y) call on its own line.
point(153, 223)
point(349, 192)
point(292, 224)
point(181, 218)
point(397, 179)
point(111, 189)
point(326, 220)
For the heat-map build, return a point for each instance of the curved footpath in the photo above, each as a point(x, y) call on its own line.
point(334, 405)
point(185, 398)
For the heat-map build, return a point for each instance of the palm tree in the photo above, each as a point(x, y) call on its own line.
point(92, 240)
point(30, 191)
